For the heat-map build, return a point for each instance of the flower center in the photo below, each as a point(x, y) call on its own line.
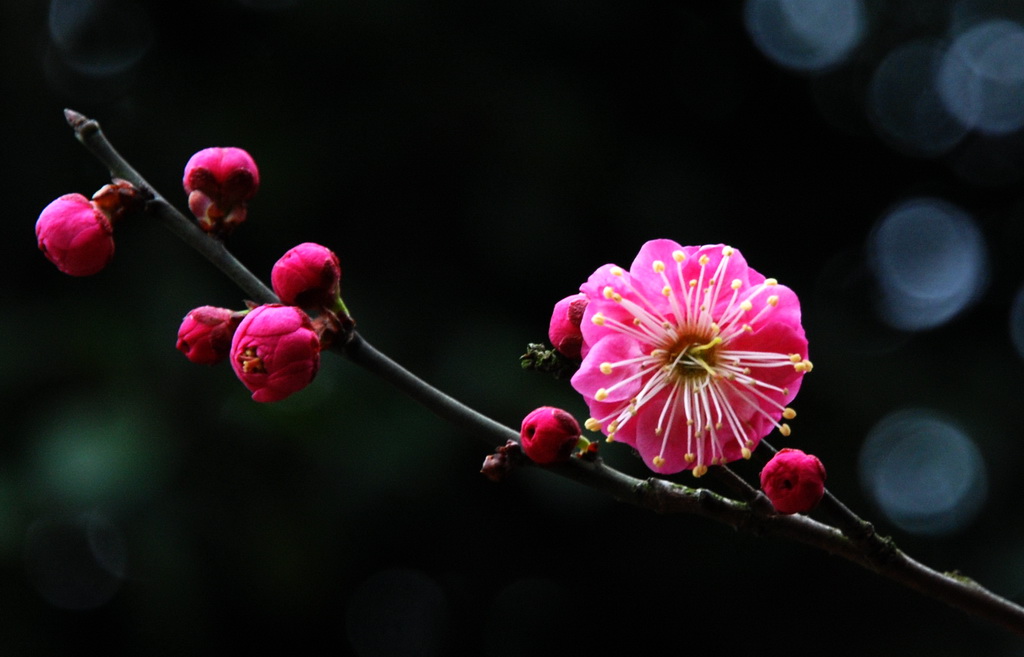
point(692, 357)
point(251, 363)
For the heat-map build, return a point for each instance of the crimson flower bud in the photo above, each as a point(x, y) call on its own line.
point(275, 351)
point(793, 481)
point(308, 275)
point(219, 181)
point(206, 332)
point(549, 435)
point(564, 329)
point(75, 235)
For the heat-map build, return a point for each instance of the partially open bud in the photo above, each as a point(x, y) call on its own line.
point(564, 329)
point(275, 351)
point(206, 332)
point(549, 435)
point(793, 481)
point(219, 181)
point(309, 276)
point(75, 235)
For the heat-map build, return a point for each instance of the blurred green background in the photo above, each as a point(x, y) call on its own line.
point(472, 163)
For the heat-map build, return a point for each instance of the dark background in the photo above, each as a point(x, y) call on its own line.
point(471, 163)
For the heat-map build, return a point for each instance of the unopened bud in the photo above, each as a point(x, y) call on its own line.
point(275, 351)
point(564, 329)
point(205, 334)
point(74, 234)
point(793, 481)
point(549, 435)
point(307, 275)
point(219, 182)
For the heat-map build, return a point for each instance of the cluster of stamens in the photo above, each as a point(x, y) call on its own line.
point(250, 361)
point(690, 362)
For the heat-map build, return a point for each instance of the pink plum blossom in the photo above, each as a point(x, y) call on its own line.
point(275, 351)
point(793, 481)
point(75, 235)
point(564, 328)
point(308, 275)
point(549, 435)
point(218, 182)
point(205, 334)
point(690, 356)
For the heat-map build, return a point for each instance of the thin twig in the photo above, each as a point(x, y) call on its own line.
point(854, 539)
point(88, 132)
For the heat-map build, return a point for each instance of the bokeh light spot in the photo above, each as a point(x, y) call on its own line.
point(538, 606)
point(1017, 322)
point(925, 473)
point(806, 35)
point(77, 562)
point(904, 104)
point(100, 38)
point(981, 79)
point(87, 453)
point(397, 612)
point(929, 261)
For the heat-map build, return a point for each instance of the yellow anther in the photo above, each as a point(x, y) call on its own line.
point(601, 395)
point(598, 319)
point(667, 291)
point(690, 457)
point(608, 292)
point(700, 471)
point(613, 427)
point(727, 251)
point(784, 429)
point(748, 328)
point(678, 256)
point(789, 413)
point(745, 453)
point(606, 368)
point(616, 271)
point(610, 438)
point(736, 284)
point(637, 321)
point(703, 260)
point(770, 281)
point(795, 358)
point(715, 328)
point(693, 283)
point(658, 461)
point(773, 300)
point(592, 424)
point(808, 366)
point(746, 305)
point(658, 266)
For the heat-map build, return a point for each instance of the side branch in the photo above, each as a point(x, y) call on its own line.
point(88, 132)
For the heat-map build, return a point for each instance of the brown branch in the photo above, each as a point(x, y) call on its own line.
point(853, 538)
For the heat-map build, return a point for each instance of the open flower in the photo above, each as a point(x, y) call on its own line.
point(691, 356)
point(275, 351)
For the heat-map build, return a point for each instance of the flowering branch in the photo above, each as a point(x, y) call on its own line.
point(851, 538)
